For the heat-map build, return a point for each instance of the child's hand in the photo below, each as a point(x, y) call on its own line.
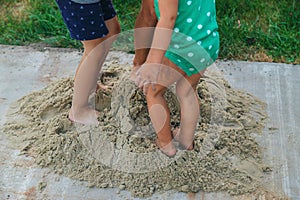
point(147, 75)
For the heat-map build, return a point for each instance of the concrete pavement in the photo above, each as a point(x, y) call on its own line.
point(25, 69)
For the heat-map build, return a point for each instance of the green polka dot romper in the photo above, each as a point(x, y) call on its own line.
point(195, 40)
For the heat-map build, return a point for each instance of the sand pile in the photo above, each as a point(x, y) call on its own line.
point(120, 152)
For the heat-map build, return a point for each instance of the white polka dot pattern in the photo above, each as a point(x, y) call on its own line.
point(190, 54)
point(189, 38)
point(195, 41)
point(85, 18)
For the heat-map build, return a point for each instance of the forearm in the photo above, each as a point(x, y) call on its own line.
point(160, 43)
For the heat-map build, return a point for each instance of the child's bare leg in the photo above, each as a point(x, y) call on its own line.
point(160, 118)
point(114, 29)
point(143, 37)
point(84, 82)
point(189, 104)
point(99, 86)
point(158, 108)
point(95, 52)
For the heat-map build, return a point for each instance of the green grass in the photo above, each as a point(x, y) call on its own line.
point(268, 30)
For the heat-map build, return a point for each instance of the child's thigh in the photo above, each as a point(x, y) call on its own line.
point(113, 26)
point(169, 73)
point(193, 80)
point(186, 86)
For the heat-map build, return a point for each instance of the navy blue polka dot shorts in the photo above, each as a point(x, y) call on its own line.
point(86, 21)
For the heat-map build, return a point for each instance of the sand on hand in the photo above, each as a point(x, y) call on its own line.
point(120, 151)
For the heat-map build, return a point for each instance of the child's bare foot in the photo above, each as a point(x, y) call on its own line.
point(101, 86)
point(85, 116)
point(167, 148)
point(185, 145)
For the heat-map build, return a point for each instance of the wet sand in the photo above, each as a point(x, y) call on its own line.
point(120, 151)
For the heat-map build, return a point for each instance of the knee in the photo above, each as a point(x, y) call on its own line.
point(150, 16)
point(140, 58)
point(158, 92)
point(184, 91)
point(147, 13)
point(116, 29)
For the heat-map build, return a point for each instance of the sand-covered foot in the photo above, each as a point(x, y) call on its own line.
point(101, 86)
point(167, 148)
point(85, 116)
point(183, 144)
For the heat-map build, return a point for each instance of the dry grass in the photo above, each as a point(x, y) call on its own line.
point(15, 10)
point(261, 56)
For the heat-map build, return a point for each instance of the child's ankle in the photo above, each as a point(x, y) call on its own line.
point(79, 110)
point(83, 115)
point(164, 142)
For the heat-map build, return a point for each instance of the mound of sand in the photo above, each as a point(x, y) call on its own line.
point(120, 151)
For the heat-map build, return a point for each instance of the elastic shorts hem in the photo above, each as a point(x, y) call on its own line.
point(186, 66)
